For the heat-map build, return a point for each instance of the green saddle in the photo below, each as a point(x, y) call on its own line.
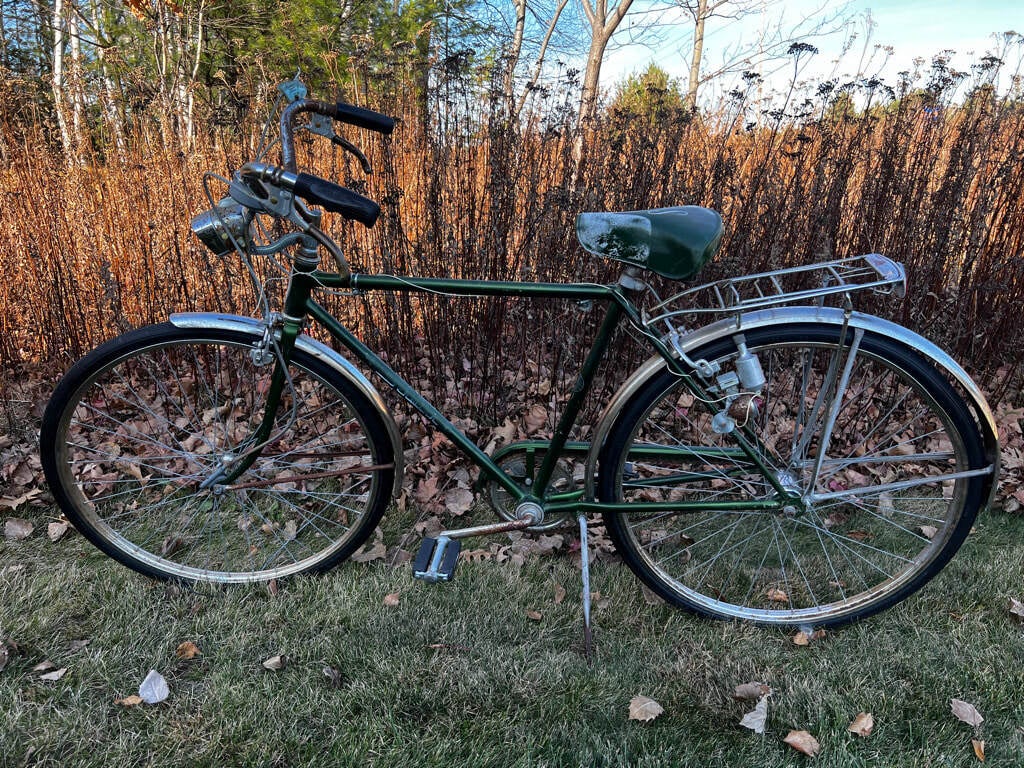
point(674, 242)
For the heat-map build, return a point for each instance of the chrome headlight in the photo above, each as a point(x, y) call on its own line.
point(217, 226)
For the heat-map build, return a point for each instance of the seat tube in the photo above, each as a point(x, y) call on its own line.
point(579, 393)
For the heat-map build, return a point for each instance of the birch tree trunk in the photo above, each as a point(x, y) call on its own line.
point(111, 116)
point(3, 37)
point(700, 16)
point(512, 58)
point(76, 86)
point(57, 78)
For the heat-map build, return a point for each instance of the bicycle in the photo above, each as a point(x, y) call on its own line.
point(792, 462)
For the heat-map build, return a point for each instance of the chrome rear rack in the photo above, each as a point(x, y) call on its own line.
point(812, 283)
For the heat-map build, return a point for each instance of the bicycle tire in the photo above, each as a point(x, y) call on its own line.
point(136, 425)
point(829, 561)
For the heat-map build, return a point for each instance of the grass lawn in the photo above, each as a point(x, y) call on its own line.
point(461, 675)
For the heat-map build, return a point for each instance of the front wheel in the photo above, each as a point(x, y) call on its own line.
point(863, 526)
point(137, 429)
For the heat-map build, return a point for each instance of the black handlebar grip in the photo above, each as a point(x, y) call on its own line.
point(364, 118)
point(336, 198)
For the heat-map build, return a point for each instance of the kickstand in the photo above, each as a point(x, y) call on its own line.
point(588, 645)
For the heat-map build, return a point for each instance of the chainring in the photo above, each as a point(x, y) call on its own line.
point(521, 466)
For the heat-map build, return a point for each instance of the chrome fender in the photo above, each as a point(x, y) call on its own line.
point(783, 315)
point(323, 353)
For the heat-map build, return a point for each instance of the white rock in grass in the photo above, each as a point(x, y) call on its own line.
point(154, 688)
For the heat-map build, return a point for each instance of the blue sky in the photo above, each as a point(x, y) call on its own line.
point(914, 28)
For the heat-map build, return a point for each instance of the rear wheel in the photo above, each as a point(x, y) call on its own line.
point(136, 427)
point(878, 518)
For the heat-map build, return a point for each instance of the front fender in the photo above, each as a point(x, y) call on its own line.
point(321, 352)
point(820, 315)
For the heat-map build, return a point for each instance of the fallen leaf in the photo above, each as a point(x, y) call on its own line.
point(559, 594)
point(171, 545)
point(506, 432)
point(13, 503)
point(534, 615)
point(862, 724)
point(52, 677)
point(649, 596)
point(448, 647)
point(187, 650)
point(803, 742)
point(979, 749)
point(274, 663)
point(44, 666)
point(154, 688)
point(1017, 609)
point(426, 490)
point(965, 712)
point(377, 551)
point(751, 691)
point(22, 475)
point(273, 588)
point(129, 701)
point(458, 500)
point(17, 528)
point(391, 600)
point(928, 531)
point(801, 638)
point(644, 709)
point(535, 418)
point(777, 596)
point(856, 479)
point(397, 556)
point(4, 657)
point(757, 718)
point(56, 531)
point(77, 645)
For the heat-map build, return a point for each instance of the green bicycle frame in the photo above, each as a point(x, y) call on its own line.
point(300, 304)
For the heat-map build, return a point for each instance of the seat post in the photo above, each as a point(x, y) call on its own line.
point(630, 279)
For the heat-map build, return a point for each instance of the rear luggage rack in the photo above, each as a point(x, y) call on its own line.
point(815, 282)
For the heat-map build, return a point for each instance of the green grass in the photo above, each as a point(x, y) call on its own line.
point(458, 675)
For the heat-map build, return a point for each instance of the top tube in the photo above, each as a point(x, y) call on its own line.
point(460, 287)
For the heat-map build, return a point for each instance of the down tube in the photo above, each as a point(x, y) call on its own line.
point(421, 404)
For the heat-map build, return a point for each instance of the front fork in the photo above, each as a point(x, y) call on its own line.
point(281, 330)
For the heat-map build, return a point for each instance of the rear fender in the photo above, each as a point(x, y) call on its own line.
point(820, 315)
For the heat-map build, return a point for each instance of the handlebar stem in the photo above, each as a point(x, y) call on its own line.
point(305, 219)
point(288, 126)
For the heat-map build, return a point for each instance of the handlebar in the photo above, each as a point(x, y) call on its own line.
point(327, 194)
point(342, 112)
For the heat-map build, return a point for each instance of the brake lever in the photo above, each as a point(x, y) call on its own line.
point(322, 125)
point(348, 146)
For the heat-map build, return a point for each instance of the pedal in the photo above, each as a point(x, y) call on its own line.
point(437, 559)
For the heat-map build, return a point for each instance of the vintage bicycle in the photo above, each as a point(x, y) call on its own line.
point(780, 458)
